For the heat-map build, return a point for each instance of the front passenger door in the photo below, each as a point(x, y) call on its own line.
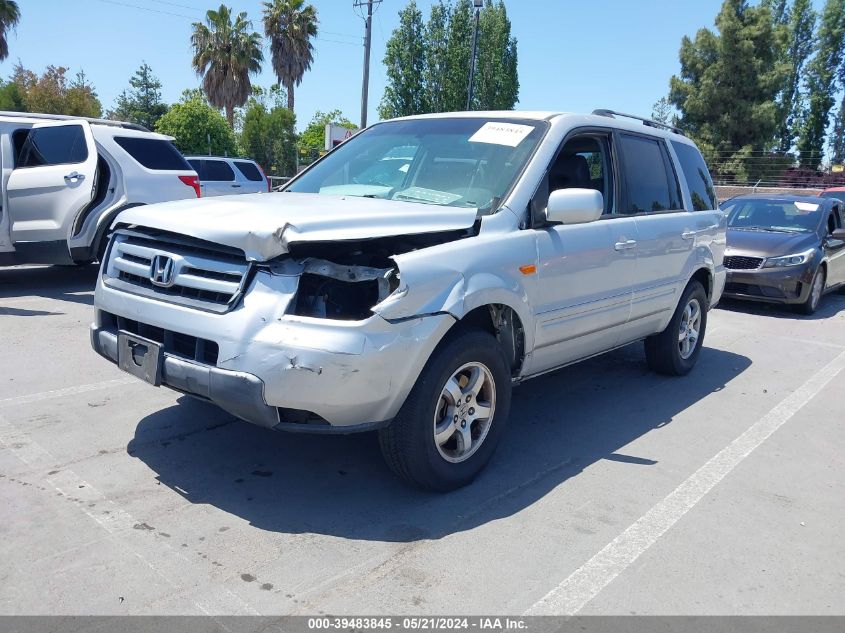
point(586, 271)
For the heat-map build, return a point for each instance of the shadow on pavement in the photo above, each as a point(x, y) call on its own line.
point(830, 305)
point(65, 283)
point(560, 424)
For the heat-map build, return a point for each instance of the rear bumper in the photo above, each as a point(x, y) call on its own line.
point(773, 285)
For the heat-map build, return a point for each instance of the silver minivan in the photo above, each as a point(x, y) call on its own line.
point(223, 176)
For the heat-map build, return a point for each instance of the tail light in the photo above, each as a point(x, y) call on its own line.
point(266, 179)
point(192, 181)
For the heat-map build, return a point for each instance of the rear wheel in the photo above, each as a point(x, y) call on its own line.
point(453, 418)
point(675, 350)
point(816, 292)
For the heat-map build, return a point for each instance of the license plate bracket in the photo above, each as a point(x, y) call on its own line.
point(140, 357)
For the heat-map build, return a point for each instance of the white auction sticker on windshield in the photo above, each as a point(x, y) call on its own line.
point(510, 134)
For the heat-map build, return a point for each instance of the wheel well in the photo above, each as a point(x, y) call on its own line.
point(702, 276)
point(502, 322)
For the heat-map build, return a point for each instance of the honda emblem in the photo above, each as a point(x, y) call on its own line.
point(161, 271)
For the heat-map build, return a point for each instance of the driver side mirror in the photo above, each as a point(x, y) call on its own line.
point(838, 234)
point(574, 206)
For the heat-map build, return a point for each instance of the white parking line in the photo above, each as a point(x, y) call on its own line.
point(67, 391)
point(580, 587)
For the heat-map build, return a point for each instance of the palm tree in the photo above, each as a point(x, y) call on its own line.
point(290, 25)
point(10, 14)
point(225, 54)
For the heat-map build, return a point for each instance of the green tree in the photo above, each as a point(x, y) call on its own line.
point(290, 25)
point(314, 136)
point(496, 79)
point(197, 127)
point(436, 57)
point(52, 93)
point(268, 137)
point(728, 84)
point(142, 103)
point(662, 111)
point(11, 98)
point(837, 139)
point(820, 82)
point(458, 54)
point(404, 59)
point(225, 55)
point(10, 15)
point(799, 42)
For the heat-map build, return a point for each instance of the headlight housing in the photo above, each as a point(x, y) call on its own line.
point(789, 260)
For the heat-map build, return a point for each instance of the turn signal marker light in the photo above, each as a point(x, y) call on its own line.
point(530, 269)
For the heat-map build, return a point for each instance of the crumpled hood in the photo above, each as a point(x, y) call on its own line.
point(263, 225)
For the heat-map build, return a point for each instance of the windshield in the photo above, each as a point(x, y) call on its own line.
point(761, 214)
point(464, 162)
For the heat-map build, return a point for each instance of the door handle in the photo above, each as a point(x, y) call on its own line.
point(626, 245)
point(74, 176)
point(236, 185)
point(688, 235)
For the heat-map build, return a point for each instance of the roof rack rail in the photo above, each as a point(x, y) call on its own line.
point(66, 117)
point(649, 122)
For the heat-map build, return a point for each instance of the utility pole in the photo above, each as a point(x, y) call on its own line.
point(478, 4)
point(368, 36)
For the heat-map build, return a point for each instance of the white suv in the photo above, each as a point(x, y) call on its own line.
point(222, 176)
point(513, 243)
point(65, 179)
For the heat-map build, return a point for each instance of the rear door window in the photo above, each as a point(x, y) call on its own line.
point(198, 166)
point(152, 153)
point(650, 181)
point(697, 176)
point(249, 170)
point(218, 171)
point(54, 145)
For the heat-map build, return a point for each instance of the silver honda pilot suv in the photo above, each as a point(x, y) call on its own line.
point(408, 279)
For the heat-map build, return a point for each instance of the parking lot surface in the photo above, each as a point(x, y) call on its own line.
point(615, 490)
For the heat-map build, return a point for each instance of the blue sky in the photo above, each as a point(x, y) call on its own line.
point(573, 55)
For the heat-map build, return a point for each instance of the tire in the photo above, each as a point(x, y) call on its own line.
point(409, 444)
point(816, 292)
point(670, 354)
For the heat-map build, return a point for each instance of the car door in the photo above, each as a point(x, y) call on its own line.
point(586, 270)
point(220, 178)
point(250, 176)
point(52, 181)
point(665, 231)
point(834, 248)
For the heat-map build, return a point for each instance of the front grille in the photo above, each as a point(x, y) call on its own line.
point(199, 274)
point(739, 262)
point(174, 343)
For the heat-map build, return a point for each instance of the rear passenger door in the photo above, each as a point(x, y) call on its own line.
point(251, 178)
point(665, 231)
point(220, 178)
point(52, 181)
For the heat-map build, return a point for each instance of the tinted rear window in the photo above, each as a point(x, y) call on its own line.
point(698, 178)
point(154, 153)
point(54, 145)
point(217, 170)
point(249, 170)
point(651, 184)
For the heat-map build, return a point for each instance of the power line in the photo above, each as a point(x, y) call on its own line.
point(176, 4)
point(135, 6)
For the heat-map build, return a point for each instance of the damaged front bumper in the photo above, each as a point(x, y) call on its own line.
point(275, 369)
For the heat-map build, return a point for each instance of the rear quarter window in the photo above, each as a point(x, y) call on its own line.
point(697, 176)
point(152, 153)
point(249, 170)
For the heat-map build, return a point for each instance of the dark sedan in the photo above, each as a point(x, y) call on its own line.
point(784, 249)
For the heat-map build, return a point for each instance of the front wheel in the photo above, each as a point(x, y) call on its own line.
point(453, 418)
point(816, 292)
point(675, 350)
